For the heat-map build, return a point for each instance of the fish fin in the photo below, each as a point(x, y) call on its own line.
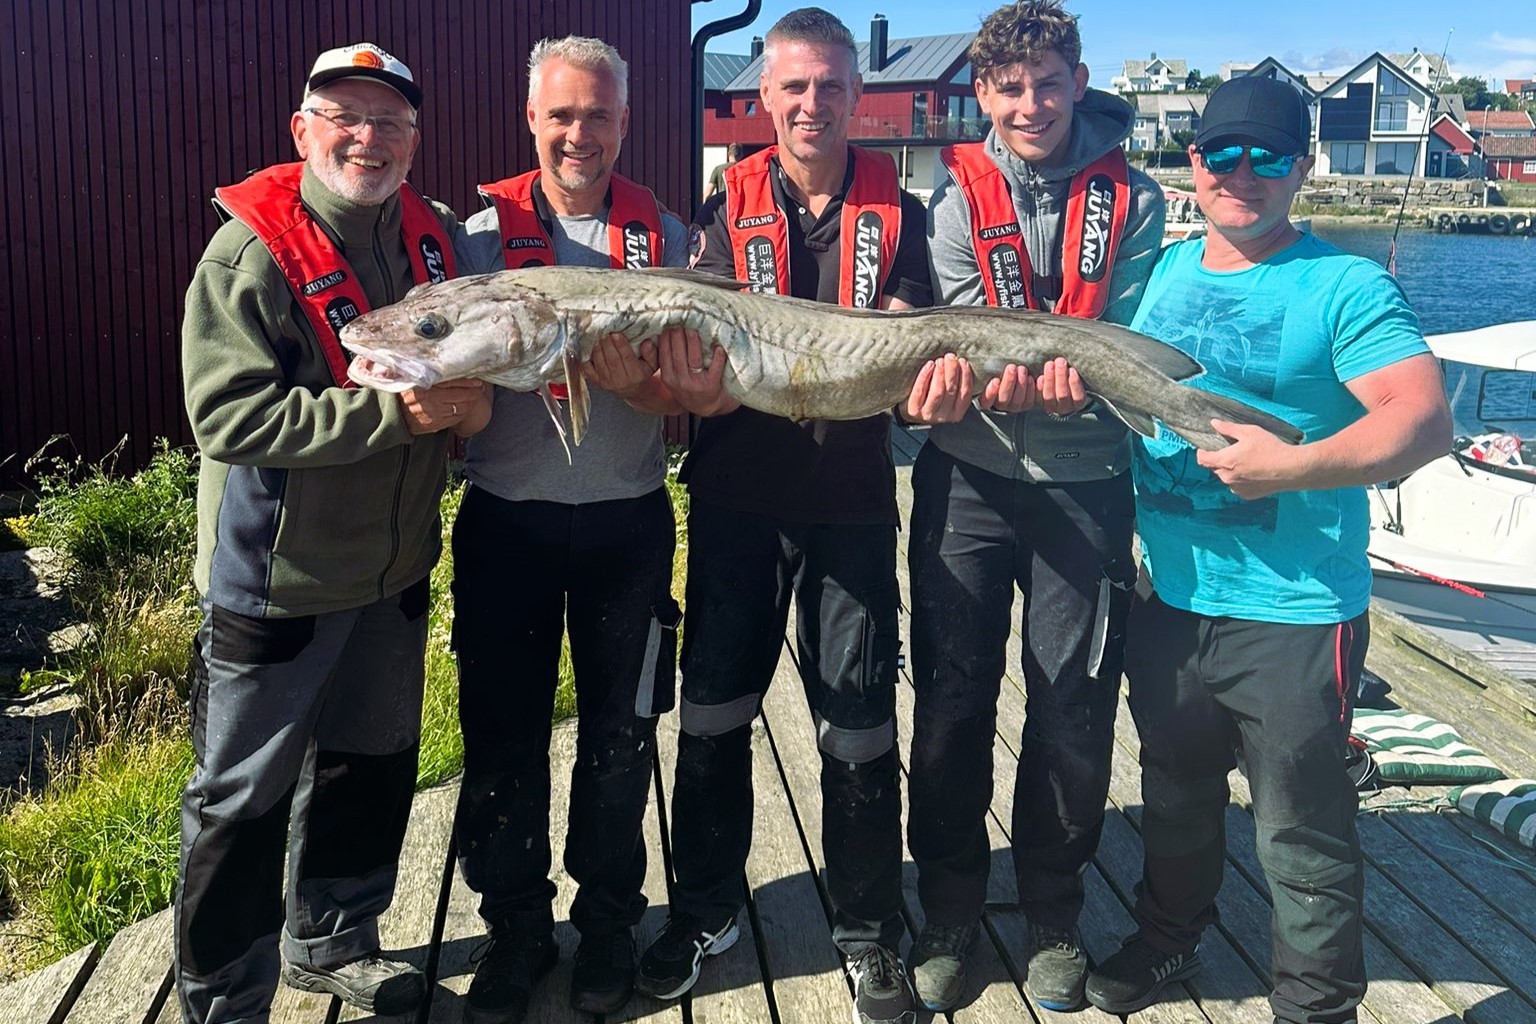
point(578, 398)
point(1241, 412)
point(697, 277)
point(1137, 420)
point(552, 407)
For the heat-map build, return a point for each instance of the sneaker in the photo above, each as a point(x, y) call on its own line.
point(506, 968)
point(938, 964)
point(881, 992)
point(1131, 979)
point(372, 983)
point(1057, 969)
point(671, 965)
point(604, 975)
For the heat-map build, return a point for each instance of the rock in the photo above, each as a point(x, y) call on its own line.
point(36, 625)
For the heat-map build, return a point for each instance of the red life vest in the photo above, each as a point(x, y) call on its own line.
point(634, 228)
point(326, 286)
point(1097, 207)
point(634, 224)
point(871, 226)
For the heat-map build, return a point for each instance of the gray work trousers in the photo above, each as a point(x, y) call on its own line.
point(306, 733)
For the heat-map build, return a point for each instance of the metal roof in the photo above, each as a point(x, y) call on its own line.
point(917, 59)
point(720, 68)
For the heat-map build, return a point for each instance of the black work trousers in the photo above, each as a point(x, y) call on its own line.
point(742, 569)
point(1207, 693)
point(526, 572)
point(975, 537)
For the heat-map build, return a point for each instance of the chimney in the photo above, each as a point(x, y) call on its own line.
point(879, 42)
point(757, 47)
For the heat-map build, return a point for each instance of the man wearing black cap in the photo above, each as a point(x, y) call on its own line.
point(317, 529)
point(1249, 627)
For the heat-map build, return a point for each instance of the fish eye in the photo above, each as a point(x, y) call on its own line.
point(432, 326)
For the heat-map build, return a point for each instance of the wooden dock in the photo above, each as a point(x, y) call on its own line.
point(1450, 925)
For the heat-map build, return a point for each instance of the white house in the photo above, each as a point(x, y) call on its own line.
point(1159, 115)
point(1153, 75)
point(1372, 121)
point(1424, 68)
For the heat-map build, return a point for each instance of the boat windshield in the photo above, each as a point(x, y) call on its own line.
point(1491, 401)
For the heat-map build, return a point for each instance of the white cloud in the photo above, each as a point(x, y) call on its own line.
point(1513, 44)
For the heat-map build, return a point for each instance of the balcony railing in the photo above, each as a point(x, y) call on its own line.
point(894, 126)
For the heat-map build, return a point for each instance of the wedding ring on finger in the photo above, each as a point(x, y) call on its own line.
point(453, 408)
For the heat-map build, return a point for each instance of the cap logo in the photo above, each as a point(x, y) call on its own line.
point(367, 59)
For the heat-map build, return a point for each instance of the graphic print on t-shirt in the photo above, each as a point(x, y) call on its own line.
point(1236, 336)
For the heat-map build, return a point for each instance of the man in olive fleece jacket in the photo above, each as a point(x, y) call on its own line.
point(317, 529)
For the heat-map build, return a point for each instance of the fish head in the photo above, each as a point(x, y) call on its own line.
point(486, 327)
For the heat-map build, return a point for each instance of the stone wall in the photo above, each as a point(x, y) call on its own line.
point(1387, 193)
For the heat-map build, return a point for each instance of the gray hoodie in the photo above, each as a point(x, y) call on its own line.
point(1036, 446)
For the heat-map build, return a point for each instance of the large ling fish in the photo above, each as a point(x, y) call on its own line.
point(791, 357)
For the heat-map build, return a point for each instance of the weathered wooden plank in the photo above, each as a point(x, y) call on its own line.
point(45, 996)
point(1395, 994)
point(993, 990)
point(1517, 697)
point(132, 979)
point(1426, 950)
point(406, 928)
point(731, 988)
point(464, 934)
point(803, 965)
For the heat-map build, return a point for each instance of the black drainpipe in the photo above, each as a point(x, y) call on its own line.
point(701, 39)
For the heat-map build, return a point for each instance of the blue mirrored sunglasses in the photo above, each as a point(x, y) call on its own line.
point(1265, 163)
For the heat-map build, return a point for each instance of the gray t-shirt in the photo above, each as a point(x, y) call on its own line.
point(518, 456)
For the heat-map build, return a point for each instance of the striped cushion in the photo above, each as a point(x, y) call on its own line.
point(1415, 750)
point(1509, 806)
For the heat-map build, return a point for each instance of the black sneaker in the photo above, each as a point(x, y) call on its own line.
point(881, 992)
point(506, 968)
point(672, 963)
point(938, 964)
point(604, 975)
point(372, 983)
point(1058, 968)
point(1131, 979)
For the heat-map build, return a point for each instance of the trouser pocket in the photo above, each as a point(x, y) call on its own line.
point(656, 693)
point(1106, 647)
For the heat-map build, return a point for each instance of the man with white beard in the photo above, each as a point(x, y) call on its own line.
point(317, 530)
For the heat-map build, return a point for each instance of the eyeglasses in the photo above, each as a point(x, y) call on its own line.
point(351, 122)
point(1265, 163)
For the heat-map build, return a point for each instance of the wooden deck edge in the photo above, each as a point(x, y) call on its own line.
point(47, 995)
point(1515, 697)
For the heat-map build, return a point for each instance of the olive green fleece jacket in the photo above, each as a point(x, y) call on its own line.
point(311, 497)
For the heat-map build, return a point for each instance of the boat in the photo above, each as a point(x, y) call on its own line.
point(1453, 544)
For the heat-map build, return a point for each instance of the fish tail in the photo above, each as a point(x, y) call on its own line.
point(1222, 407)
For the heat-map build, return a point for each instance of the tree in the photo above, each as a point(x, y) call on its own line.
point(1209, 83)
point(1473, 91)
point(1192, 80)
point(1196, 82)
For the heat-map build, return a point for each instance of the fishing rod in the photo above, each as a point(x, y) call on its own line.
point(1429, 117)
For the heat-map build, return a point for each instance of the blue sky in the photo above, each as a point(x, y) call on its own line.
point(1490, 41)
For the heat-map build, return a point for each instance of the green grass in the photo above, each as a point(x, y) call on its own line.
point(97, 849)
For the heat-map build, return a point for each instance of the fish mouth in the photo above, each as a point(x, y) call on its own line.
point(391, 372)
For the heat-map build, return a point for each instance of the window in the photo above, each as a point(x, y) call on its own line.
point(1392, 116)
point(1530, 167)
point(751, 108)
point(1388, 84)
point(1396, 157)
point(1347, 158)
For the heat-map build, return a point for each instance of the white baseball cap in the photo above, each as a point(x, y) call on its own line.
point(364, 60)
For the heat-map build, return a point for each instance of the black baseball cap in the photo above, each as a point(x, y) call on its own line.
point(1255, 111)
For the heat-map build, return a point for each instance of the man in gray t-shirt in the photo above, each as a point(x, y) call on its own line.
point(545, 546)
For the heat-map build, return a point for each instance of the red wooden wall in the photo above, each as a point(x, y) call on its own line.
point(117, 120)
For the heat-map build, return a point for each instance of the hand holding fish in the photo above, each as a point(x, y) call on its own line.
point(697, 388)
point(445, 405)
point(1256, 464)
point(941, 393)
point(1059, 388)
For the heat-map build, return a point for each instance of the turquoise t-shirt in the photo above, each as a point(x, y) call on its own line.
point(1283, 336)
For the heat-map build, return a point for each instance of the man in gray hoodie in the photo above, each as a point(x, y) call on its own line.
point(1031, 490)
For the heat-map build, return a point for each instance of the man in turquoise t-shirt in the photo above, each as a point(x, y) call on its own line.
point(1249, 627)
